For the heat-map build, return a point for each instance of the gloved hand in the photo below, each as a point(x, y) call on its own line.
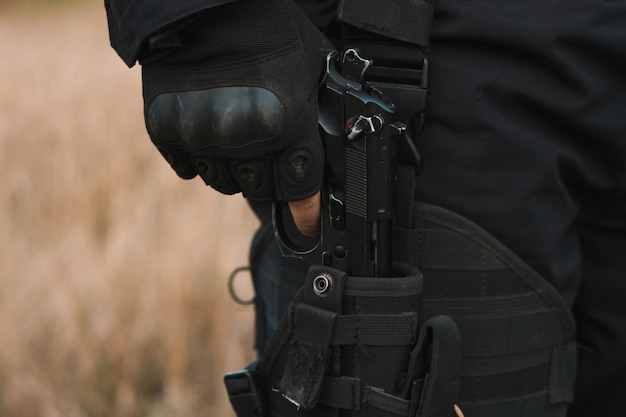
point(234, 100)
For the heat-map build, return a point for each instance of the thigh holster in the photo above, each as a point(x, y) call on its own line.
point(356, 345)
point(390, 346)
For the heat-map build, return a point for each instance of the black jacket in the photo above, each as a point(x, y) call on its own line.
point(132, 22)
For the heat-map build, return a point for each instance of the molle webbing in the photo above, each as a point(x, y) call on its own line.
point(518, 354)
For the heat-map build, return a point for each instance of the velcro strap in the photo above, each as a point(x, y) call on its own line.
point(404, 20)
point(308, 356)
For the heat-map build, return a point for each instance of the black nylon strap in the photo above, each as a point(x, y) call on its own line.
point(495, 365)
point(308, 356)
point(348, 393)
point(512, 335)
point(312, 325)
point(528, 406)
point(563, 373)
point(375, 329)
point(243, 393)
point(506, 325)
point(397, 75)
point(342, 392)
point(529, 369)
point(484, 378)
point(489, 308)
point(410, 285)
point(387, 402)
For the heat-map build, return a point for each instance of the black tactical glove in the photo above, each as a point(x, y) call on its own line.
point(232, 97)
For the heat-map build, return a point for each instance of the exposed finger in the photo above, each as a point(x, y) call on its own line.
point(306, 215)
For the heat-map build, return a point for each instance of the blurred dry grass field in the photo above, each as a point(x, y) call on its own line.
point(113, 297)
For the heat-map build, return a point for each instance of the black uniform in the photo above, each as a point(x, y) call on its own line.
point(525, 136)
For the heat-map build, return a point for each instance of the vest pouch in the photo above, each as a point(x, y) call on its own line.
point(355, 346)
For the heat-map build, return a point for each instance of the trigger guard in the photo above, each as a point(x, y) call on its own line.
point(288, 247)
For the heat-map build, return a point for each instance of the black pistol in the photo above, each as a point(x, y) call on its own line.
point(359, 129)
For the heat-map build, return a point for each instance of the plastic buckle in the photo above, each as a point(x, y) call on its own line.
point(244, 394)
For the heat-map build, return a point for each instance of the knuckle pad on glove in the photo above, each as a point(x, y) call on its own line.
point(218, 123)
point(226, 118)
point(300, 173)
point(254, 179)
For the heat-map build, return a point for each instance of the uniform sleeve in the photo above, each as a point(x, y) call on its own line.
point(131, 22)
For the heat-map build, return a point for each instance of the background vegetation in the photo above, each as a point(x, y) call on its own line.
point(113, 271)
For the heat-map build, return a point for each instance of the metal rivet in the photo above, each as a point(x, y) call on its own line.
point(322, 284)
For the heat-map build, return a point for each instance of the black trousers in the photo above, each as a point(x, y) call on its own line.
point(526, 136)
